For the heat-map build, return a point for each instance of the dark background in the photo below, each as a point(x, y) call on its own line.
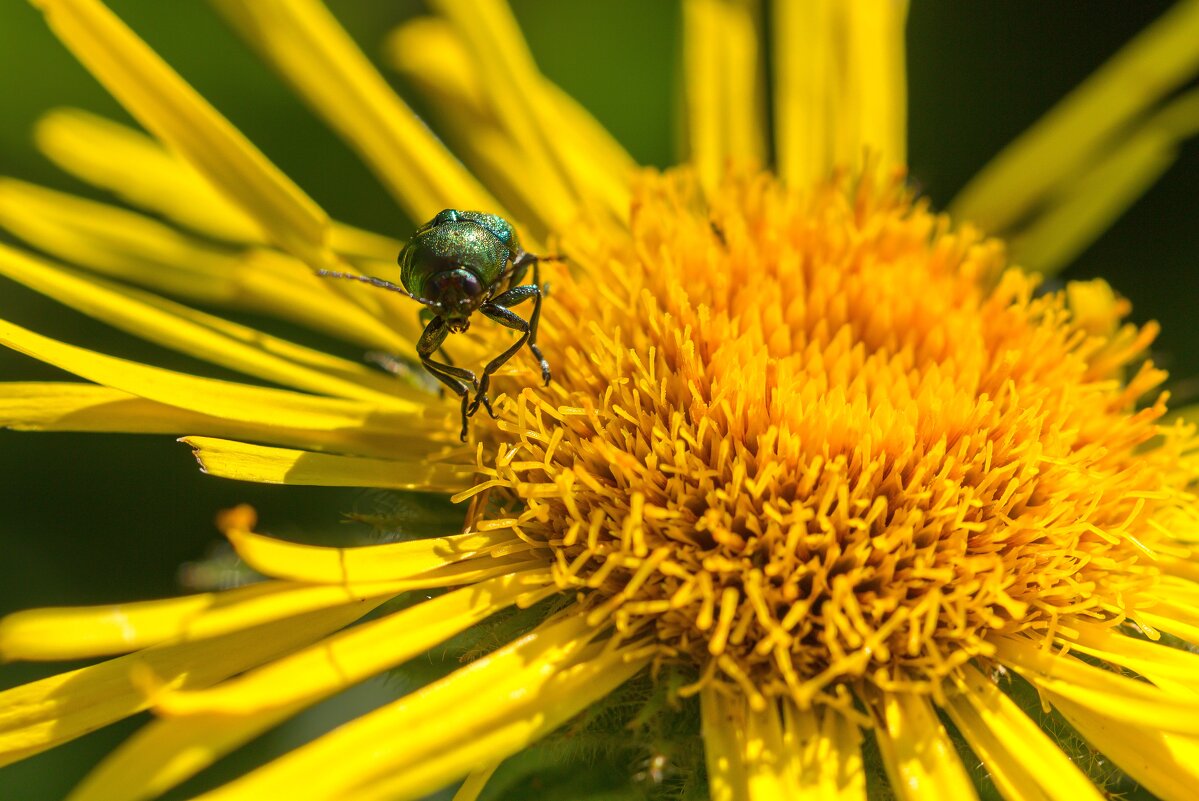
point(104, 518)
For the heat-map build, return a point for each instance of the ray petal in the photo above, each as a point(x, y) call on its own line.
point(773, 767)
point(474, 784)
point(571, 691)
point(513, 87)
point(840, 86)
point(1077, 213)
point(46, 713)
point(875, 118)
point(506, 700)
point(1118, 697)
point(430, 53)
point(1166, 764)
point(356, 654)
point(206, 724)
point(73, 632)
point(1021, 760)
point(168, 751)
point(724, 87)
point(139, 170)
point(829, 747)
point(1087, 121)
point(803, 90)
point(366, 563)
point(723, 727)
point(919, 757)
point(174, 112)
point(61, 406)
point(242, 461)
point(1168, 668)
point(320, 60)
point(234, 401)
point(134, 248)
point(175, 326)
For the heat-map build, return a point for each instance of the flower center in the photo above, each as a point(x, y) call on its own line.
point(812, 439)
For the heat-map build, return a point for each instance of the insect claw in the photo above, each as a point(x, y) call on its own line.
point(481, 400)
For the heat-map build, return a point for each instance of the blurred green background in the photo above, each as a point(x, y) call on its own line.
point(98, 518)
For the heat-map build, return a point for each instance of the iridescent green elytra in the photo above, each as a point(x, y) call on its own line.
point(456, 264)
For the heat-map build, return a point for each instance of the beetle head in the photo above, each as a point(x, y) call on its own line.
point(455, 294)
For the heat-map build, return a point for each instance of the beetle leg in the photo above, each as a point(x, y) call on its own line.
point(519, 294)
point(522, 261)
point(497, 310)
point(426, 316)
point(455, 378)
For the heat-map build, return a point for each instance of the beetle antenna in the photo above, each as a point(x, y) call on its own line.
point(381, 284)
point(525, 257)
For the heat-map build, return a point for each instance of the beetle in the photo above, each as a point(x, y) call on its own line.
point(456, 264)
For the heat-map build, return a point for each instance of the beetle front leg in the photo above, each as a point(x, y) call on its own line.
point(455, 378)
point(519, 294)
point(511, 320)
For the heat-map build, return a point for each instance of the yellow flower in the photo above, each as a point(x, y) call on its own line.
point(812, 453)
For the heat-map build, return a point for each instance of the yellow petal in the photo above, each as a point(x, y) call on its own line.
point(1115, 696)
point(117, 242)
point(1074, 133)
point(78, 632)
point(304, 42)
point(503, 702)
point(367, 563)
point(1166, 764)
point(137, 249)
point(356, 654)
point(430, 54)
point(1095, 307)
point(504, 734)
point(875, 116)
point(475, 782)
point(234, 401)
point(1020, 759)
point(920, 759)
point(168, 107)
point(56, 633)
point(242, 461)
point(725, 118)
point(1169, 668)
point(829, 748)
point(1085, 207)
point(773, 767)
point(203, 336)
point(840, 86)
point(1181, 620)
point(513, 88)
point(166, 752)
point(35, 406)
point(137, 169)
point(45, 713)
point(723, 727)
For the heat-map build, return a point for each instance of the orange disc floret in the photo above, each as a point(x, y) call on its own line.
point(821, 438)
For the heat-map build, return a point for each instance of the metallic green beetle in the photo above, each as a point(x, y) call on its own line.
point(456, 264)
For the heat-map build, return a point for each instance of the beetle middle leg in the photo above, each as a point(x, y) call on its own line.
point(497, 309)
point(519, 294)
point(455, 378)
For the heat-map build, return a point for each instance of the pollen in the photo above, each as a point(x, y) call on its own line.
point(815, 440)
